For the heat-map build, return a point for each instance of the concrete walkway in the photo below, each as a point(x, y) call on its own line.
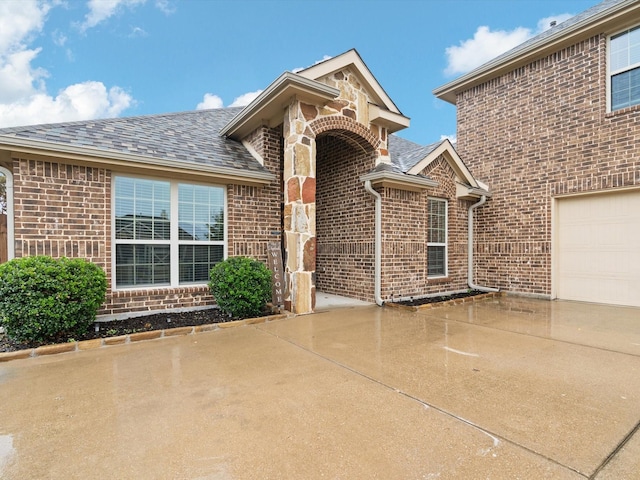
point(501, 388)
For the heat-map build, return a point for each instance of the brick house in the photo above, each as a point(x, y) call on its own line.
point(554, 125)
point(311, 163)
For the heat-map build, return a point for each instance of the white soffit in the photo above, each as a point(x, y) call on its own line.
point(268, 107)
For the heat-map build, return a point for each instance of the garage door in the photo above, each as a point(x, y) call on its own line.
point(597, 251)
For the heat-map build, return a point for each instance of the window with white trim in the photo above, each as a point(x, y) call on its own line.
point(436, 237)
point(166, 233)
point(624, 68)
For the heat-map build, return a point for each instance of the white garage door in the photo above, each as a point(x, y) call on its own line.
point(598, 248)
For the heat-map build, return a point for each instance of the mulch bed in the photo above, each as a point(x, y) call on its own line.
point(156, 321)
point(415, 302)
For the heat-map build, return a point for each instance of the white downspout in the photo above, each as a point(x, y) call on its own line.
point(378, 243)
point(472, 285)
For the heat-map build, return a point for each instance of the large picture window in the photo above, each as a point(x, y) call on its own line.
point(437, 237)
point(624, 68)
point(166, 233)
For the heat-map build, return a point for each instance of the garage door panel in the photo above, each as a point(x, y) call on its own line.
point(598, 248)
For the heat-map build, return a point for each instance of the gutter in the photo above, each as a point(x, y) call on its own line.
point(539, 45)
point(472, 285)
point(100, 156)
point(378, 243)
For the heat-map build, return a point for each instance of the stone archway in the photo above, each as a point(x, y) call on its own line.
point(304, 126)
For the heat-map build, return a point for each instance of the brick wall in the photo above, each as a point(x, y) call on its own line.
point(344, 220)
point(404, 235)
point(65, 210)
point(536, 132)
point(255, 212)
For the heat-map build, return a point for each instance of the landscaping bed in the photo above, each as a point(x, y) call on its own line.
point(156, 321)
point(415, 304)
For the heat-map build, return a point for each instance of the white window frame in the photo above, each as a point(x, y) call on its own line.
point(174, 242)
point(446, 237)
point(611, 74)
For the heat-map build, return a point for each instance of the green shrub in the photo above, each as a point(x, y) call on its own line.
point(241, 286)
point(43, 299)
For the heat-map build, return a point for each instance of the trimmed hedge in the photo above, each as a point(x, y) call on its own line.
point(241, 286)
point(43, 299)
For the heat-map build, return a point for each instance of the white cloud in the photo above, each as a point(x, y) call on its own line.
point(487, 44)
point(101, 10)
point(245, 99)
point(23, 94)
point(324, 58)
point(210, 101)
point(214, 101)
point(452, 138)
point(18, 20)
point(484, 46)
point(80, 101)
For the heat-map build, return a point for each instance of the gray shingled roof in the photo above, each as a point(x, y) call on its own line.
point(405, 153)
point(567, 24)
point(190, 137)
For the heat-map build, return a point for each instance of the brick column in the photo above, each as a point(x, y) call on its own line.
point(299, 210)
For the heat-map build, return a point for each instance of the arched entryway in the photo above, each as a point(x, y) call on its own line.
point(345, 223)
point(6, 215)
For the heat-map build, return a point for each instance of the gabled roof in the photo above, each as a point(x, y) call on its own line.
point(351, 58)
point(187, 140)
point(267, 108)
point(606, 17)
point(408, 159)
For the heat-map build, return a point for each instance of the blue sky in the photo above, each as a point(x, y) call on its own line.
point(64, 60)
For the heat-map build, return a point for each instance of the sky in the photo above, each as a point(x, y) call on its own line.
point(67, 60)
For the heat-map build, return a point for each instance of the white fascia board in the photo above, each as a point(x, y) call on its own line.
point(452, 157)
point(509, 61)
point(109, 157)
point(347, 59)
point(399, 180)
point(389, 120)
point(468, 192)
point(272, 101)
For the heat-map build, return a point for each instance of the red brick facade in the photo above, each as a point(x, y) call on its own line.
point(404, 234)
point(65, 210)
point(344, 220)
point(532, 134)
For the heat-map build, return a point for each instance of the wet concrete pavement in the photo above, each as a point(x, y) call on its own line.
point(501, 388)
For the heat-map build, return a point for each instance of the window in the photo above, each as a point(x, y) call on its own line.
point(166, 233)
point(624, 69)
point(437, 237)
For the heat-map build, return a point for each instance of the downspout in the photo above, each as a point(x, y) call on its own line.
point(472, 285)
point(378, 243)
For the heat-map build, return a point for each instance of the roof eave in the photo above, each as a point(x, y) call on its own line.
point(387, 119)
point(401, 181)
point(618, 15)
point(127, 160)
point(345, 60)
point(268, 107)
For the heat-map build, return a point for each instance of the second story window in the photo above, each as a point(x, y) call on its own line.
point(624, 68)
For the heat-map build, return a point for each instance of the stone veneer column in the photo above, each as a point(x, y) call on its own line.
point(299, 210)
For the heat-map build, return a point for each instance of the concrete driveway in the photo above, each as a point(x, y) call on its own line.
point(502, 388)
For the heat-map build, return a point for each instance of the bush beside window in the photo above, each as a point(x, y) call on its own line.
point(44, 299)
point(241, 286)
